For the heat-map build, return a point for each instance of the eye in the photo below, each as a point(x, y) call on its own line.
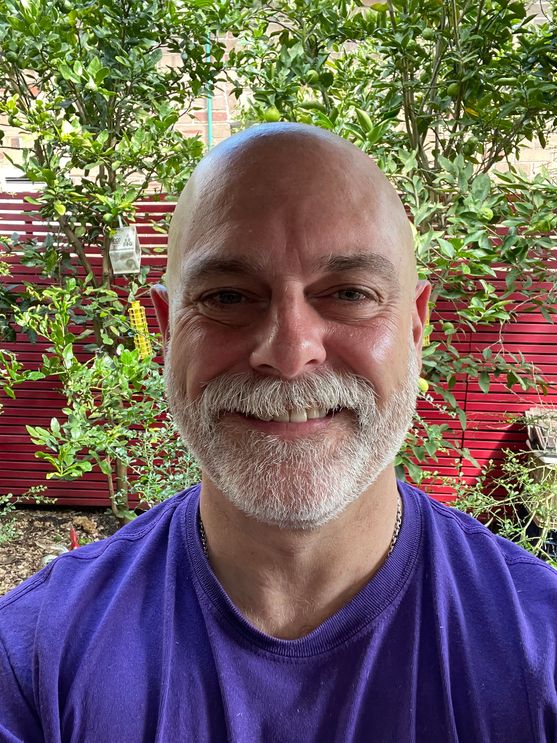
point(351, 294)
point(230, 306)
point(223, 298)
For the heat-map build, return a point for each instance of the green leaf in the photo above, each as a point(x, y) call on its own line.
point(484, 381)
point(59, 208)
point(364, 120)
point(105, 467)
point(461, 415)
point(68, 74)
point(546, 314)
point(68, 356)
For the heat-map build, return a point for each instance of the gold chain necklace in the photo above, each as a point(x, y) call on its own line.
point(396, 531)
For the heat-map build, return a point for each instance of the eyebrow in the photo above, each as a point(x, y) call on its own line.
point(372, 262)
point(206, 266)
point(203, 267)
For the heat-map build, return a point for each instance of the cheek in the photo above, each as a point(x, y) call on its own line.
point(378, 352)
point(201, 351)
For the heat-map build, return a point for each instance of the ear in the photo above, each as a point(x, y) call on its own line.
point(159, 297)
point(420, 313)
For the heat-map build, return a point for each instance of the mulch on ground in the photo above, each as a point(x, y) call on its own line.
point(44, 532)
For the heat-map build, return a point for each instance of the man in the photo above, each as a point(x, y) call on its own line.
point(300, 594)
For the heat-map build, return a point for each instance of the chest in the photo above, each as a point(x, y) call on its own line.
point(407, 680)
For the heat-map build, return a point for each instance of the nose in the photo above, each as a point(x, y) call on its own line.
point(290, 339)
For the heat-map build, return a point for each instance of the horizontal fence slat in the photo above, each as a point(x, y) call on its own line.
point(489, 429)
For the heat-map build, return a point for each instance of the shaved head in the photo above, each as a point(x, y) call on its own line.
point(294, 323)
point(270, 163)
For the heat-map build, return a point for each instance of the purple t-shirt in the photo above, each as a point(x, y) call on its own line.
point(133, 639)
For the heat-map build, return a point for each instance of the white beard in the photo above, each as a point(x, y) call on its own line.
point(299, 484)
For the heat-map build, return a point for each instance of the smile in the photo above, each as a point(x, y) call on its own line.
point(296, 415)
point(300, 415)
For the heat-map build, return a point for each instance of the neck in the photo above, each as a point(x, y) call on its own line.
point(286, 582)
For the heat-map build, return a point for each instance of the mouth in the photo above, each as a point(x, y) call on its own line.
point(296, 415)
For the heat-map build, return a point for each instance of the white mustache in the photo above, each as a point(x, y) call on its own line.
point(268, 397)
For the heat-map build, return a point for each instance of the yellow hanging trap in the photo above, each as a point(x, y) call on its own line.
point(427, 333)
point(138, 321)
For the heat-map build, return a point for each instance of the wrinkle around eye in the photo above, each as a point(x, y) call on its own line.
point(242, 311)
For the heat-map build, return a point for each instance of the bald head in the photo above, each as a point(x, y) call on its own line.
point(274, 166)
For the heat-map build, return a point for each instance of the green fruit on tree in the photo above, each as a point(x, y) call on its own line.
point(423, 385)
point(272, 114)
point(313, 105)
point(471, 146)
point(486, 213)
point(453, 90)
point(312, 77)
point(429, 34)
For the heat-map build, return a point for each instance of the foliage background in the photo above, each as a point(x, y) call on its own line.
point(442, 94)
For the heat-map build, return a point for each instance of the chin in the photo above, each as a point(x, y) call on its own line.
point(301, 497)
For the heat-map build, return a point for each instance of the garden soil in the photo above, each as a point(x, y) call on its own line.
point(42, 533)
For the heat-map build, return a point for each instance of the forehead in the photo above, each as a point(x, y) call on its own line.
point(278, 243)
point(265, 217)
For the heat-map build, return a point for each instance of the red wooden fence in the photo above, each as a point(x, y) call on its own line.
point(489, 430)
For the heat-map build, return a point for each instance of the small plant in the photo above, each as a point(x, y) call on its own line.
point(9, 503)
point(114, 418)
point(511, 502)
point(159, 463)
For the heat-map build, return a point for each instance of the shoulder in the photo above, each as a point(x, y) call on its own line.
point(103, 594)
point(492, 586)
point(470, 565)
point(465, 558)
point(462, 541)
point(493, 607)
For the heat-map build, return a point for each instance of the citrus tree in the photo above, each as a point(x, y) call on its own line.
point(443, 95)
point(96, 91)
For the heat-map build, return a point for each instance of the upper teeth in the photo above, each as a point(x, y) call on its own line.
point(300, 415)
